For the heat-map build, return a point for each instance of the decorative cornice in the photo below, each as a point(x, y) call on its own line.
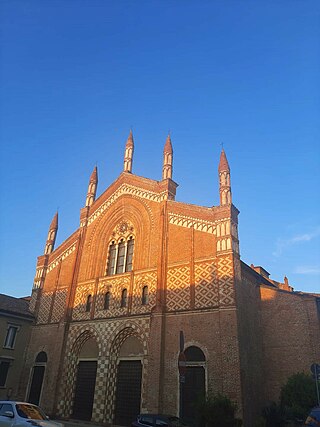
point(61, 257)
point(132, 191)
point(190, 222)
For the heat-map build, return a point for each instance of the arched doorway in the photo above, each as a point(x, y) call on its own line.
point(128, 385)
point(85, 381)
point(37, 376)
point(194, 387)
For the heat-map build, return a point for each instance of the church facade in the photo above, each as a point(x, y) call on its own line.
point(145, 278)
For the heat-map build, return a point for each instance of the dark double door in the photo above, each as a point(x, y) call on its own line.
point(84, 392)
point(128, 391)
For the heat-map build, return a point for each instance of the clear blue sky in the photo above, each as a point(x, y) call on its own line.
point(77, 74)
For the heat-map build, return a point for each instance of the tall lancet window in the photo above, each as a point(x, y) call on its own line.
point(120, 256)
point(130, 245)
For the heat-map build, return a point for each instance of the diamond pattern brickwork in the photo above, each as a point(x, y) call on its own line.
point(178, 288)
point(226, 280)
point(115, 286)
point(206, 284)
point(79, 307)
point(44, 308)
point(109, 336)
point(59, 305)
point(140, 280)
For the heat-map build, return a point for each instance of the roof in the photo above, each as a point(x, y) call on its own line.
point(17, 306)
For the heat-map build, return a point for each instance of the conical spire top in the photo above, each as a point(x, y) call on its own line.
point(94, 175)
point(52, 234)
point(54, 222)
point(224, 180)
point(128, 154)
point(168, 145)
point(92, 187)
point(223, 164)
point(167, 159)
point(130, 142)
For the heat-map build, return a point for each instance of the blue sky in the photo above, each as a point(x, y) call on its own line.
point(77, 74)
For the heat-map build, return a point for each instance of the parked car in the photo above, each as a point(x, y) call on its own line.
point(23, 414)
point(313, 419)
point(158, 420)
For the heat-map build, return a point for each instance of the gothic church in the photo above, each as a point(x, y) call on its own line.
point(145, 278)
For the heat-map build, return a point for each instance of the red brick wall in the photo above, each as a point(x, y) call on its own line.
point(291, 336)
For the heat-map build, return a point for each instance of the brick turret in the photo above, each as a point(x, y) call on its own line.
point(167, 159)
point(92, 187)
point(128, 155)
point(52, 234)
point(224, 180)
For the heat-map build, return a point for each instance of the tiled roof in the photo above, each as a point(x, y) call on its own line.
point(11, 305)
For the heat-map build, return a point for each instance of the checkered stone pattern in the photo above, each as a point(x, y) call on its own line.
point(140, 280)
point(82, 333)
point(59, 305)
point(79, 308)
point(44, 308)
point(129, 329)
point(109, 336)
point(115, 286)
point(206, 284)
point(178, 288)
point(226, 281)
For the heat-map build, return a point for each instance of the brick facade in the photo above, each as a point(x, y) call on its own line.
point(188, 258)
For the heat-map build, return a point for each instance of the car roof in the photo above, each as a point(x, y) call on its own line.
point(17, 401)
point(158, 415)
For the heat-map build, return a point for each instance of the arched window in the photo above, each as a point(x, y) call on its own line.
point(130, 246)
point(124, 298)
point(120, 256)
point(89, 301)
point(194, 354)
point(145, 296)
point(106, 305)
point(41, 357)
point(112, 258)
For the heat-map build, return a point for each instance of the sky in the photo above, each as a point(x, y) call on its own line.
point(76, 75)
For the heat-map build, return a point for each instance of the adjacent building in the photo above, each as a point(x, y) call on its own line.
point(15, 329)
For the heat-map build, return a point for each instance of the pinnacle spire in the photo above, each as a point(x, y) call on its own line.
point(167, 159)
point(168, 145)
point(128, 154)
point(223, 164)
point(54, 222)
point(92, 187)
point(224, 180)
point(52, 234)
point(130, 142)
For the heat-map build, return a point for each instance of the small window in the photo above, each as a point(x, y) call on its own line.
point(106, 304)
point(89, 301)
point(4, 368)
point(145, 296)
point(124, 298)
point(11, 336)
